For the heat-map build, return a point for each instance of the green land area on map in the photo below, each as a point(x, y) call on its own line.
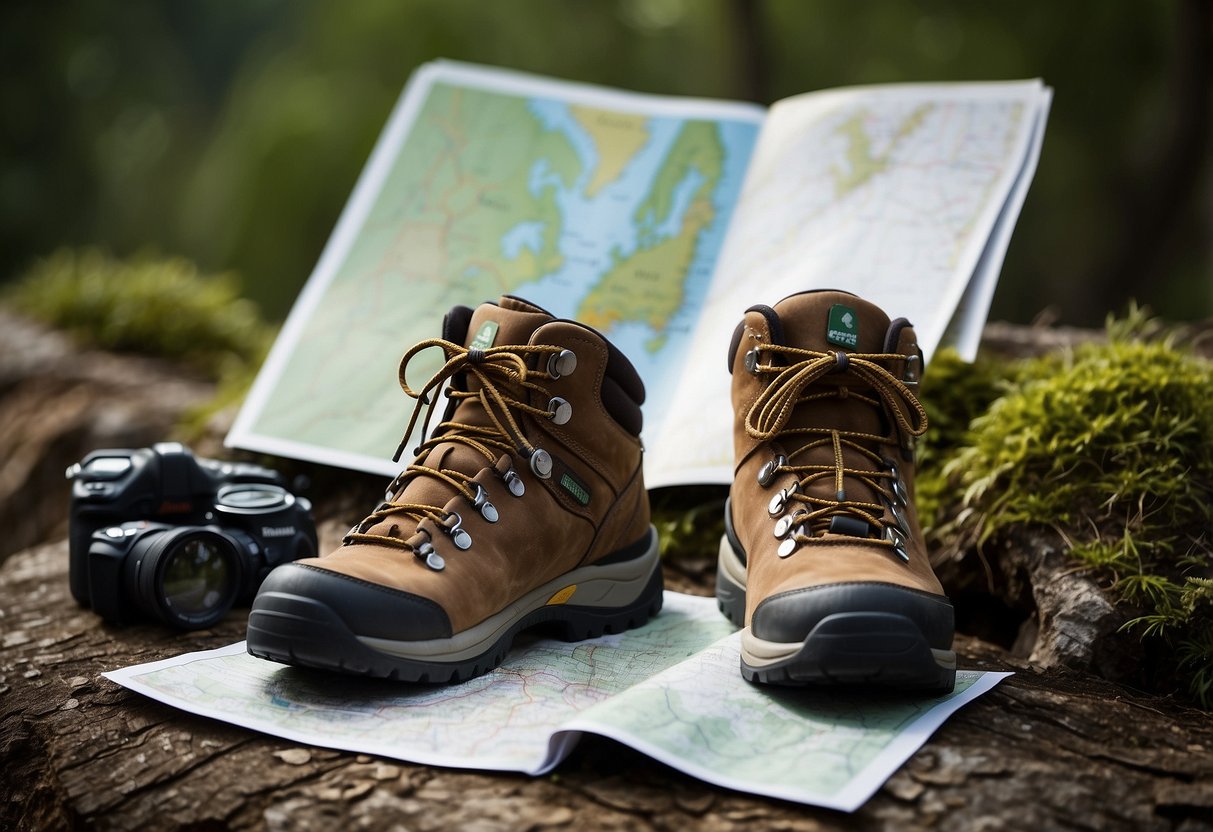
point(656, 221)
point(471, 210)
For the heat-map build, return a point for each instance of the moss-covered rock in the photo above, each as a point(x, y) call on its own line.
point(1111, 446)
point(162, 307)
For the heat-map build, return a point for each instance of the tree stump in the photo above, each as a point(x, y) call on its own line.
point(1043, 750)
point(1046, 749)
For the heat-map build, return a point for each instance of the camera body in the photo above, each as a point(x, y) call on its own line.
point(157, 532)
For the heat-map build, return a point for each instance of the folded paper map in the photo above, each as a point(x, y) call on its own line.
point(670, 689)
point(656, 220)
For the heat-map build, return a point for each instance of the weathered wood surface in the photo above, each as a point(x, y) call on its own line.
point(57, 402)
point(1047, 749)
point(1042, 751)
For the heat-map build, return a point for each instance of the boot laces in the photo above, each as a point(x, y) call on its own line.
point(791, 385)
point(497, 371)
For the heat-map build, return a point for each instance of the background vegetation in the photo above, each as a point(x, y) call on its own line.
point(140, 138)
point(232, 133)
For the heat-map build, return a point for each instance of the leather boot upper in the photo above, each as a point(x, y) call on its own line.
point(534, 469)
point(825, 420)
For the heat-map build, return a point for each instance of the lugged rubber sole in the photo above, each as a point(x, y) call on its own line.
point(298, 630)
point(858, 648)
point(852, 648)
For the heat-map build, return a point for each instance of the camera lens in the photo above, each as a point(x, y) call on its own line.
point(196, 577)
point(186, 576)
point(252, 498)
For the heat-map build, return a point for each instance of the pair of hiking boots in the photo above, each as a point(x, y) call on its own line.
point(527, 506)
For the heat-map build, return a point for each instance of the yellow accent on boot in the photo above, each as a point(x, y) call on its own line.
point(563, 595)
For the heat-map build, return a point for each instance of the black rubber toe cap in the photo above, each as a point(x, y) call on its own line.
point(367, 609)
point(791, 616)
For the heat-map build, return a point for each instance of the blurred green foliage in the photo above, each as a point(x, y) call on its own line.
point(689, 520)
point(1110, 446)
point(148, 305)
point(232, 133)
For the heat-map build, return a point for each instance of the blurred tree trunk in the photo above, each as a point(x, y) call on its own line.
point(57, 403)
point(1162, 195)
point(753, 70)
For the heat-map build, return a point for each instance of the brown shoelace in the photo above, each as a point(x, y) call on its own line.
point(492, 369)
point(769, 415)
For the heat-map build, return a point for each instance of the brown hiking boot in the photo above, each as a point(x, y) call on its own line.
point(823, 561)
point(527, 506)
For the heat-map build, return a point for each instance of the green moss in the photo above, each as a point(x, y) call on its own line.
point(954, 392)
point(1115, 437)
point(689, 521)
point(1111, 445)
point(161, 307)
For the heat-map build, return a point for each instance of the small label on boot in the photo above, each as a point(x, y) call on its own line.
point(578, 491)
point(843, 327)
point(485, 336)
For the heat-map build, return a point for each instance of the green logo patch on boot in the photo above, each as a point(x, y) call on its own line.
point(485, 336)
point(843, 327)
point(576, 488)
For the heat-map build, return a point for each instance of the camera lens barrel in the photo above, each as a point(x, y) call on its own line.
point(187, 576)
point(252, 499)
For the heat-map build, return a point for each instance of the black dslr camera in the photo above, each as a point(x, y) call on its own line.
point(160, 533)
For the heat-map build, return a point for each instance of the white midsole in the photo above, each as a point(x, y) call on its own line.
point(729, 564)
point(611, 585)
point(757, 652)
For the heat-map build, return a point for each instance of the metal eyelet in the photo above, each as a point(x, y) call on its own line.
point(899, 488)
point(789, 544)
point(559, 410)
point(426, 553)
point(751, 361)
point(766, 474)
point(899, 541)
point(392, 488)
point(785, 524)
point(782, 526)
point(899, 516)
point(459, 535)
point(541, 463)
point(514, 483)
point(562, 363)
point(913, 371)
point(780, 500)
point(480, 500)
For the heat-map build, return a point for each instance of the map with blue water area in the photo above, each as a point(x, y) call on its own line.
point(655, 220)
point(612, 217)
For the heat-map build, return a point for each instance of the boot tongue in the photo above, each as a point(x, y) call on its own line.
point(511, 321)
point(834, 322)
point(830, 322)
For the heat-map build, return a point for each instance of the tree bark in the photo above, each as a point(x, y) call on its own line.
point(1046, 749)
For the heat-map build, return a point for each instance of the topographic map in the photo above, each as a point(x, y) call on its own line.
point(670, 689)
point(603, 207)
point(612, 208)
point(905, 195)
